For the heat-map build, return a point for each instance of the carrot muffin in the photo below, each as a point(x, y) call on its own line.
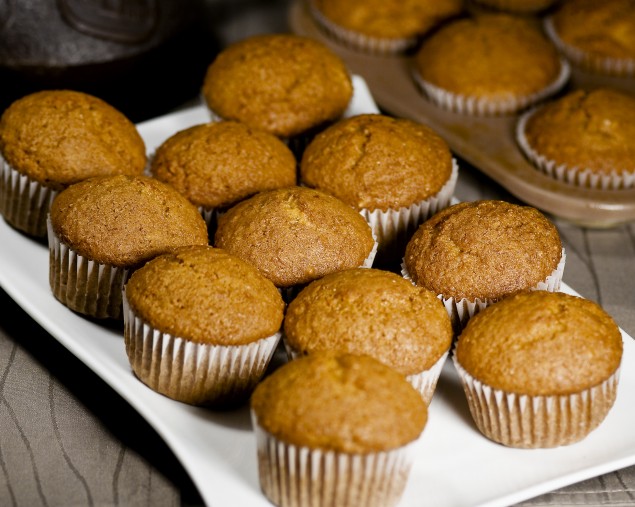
point(200, 325)
point(284, 84)
point(352, 418)
point(475, 253)
point(596, 36)
point(215, 165)
point(380, 26)
point(375, 313)
point(102, 227)
point(584, 138)
point(52, 139)
point(540, 369)
point(519, 6)
point(396, 172)
point(295, 235)
point(489, 64)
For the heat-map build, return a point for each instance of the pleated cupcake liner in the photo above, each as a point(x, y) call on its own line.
point(587, 61)
point(191, 372)
point(24, 202)
point(526, 421)
point(485, 106)
point(297, 476)
point(84, 285)
point(577, 176)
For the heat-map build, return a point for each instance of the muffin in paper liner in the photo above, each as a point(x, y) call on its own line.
point(296, 476)
point(194, 373)
point(524, 421)
point(486, 106)
point(84, 285)
point(460, 311)
point(578, 176)
point(24, 202)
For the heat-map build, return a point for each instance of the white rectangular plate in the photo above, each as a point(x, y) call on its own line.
point(455, 465)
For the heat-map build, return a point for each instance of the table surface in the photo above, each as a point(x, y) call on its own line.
point(66, 438)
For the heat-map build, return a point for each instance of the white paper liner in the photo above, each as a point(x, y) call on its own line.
point(518, 420)
point(84, 285)
point(297, 476)
point(462, 310)
point(590, 62)
point(581, 177)
point(24, 202)
point(194, 373)
point(485, 106)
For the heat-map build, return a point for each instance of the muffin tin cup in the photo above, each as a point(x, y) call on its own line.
point(194, 373)
point(462, 310)
point(525, 421)
point(581, 177)
point(484, 106)
point(84, 285)
point(297, 476)
point(24, 202)
point(624, 67)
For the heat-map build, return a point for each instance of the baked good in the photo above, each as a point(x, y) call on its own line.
point(519, 6)
point(186, 328)
point(475, 253)
point(215, 165)
point(375, 313)
point(103, 227)
point(396, 172)
point(540, 369)
point(54, 138)
point(295, 235)
point(380, 26)
point(596, 36)
point(351, 417)
point(284, 84)
point(584, 138)
point(488, 64)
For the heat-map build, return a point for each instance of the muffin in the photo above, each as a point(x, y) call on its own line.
point(375, 313)
point(201, 325)
point(488, 64)
point(596, 36)
point(296, 235)
point(475, 253)
point(101, 228)
point(284, 84)
point(54, 138)
point(335, 430)
point(379, 26)
point(519, 6)
point(539, 369)
point(215, 165)
point(584, 138)
point(396, 172)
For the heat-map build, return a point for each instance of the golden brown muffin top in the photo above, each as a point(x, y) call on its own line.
point(377, 162)
point(519, 6)
point(495, 56)
point(370, 312)
point(541, 344)
point(218, 164)
point(483, 249)
point(586, 129)
point(344, 403)
point(389, 19)
point(295, 235)
point(282, 83)
point(604, 28)
point(125, 220)
point(206, 295)
point(60, 137)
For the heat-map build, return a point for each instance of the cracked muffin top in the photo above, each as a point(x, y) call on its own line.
point(373, 161)
point(60, 137)
point(282, 83)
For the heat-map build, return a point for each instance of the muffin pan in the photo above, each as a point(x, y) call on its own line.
point(487, 143)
